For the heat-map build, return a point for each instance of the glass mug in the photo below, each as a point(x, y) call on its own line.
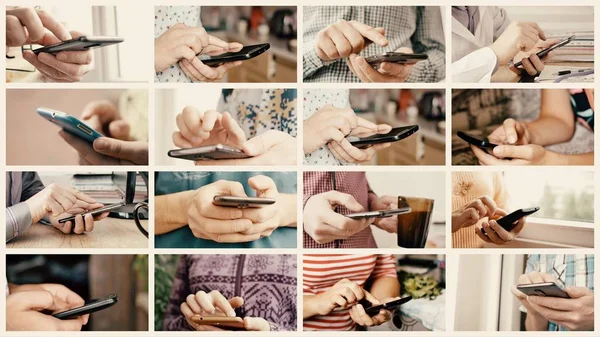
point(140, 207)
point(413, 227)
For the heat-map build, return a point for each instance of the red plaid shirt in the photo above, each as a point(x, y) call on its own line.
point(353, 183)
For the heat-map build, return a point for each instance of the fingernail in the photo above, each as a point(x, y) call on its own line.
point(101, 144)
point(498, 150)
point(231, 313)
point(512, 139)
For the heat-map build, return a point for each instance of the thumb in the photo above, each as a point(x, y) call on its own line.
point(525, 152)
point(256, 324)
point(577, 292)
point(136, 152)
point(264, 142)
point(468, 216)
point(263, 185)
point(119, 129)
point(369, 297)
point(346, 200)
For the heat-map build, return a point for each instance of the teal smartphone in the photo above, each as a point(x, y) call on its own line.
point(69, 123)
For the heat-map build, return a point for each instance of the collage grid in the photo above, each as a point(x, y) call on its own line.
point(452, 256)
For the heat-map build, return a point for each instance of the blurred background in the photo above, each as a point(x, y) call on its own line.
point(128, 61)
point(32, 140)
point(480, 111)
point(248, 25)
point(403, 107)
point(93, 276)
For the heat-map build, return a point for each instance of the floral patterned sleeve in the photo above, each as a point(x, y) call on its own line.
point(173, 318)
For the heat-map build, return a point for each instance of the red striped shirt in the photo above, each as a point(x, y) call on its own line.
point(322, 271)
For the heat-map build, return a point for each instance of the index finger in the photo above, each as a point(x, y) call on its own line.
point(370, 33)
point(539, 30)
point(54, 26)
point(263, 185)
point(490, 204)
point(510, 131)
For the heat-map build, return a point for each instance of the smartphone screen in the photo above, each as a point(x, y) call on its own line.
point(508, 222)
point(89, 307)
point(392, 305)
point(394, 135)
point(247, 52)
point(545, 289)
point(95, 211)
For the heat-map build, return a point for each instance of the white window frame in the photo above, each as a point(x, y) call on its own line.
point(104, 20)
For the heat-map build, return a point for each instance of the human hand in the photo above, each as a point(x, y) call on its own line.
point(530, 154)
point(389, 224)
point(104, 117)
point(495, 233)
point(267, 218)
point(55, 200)
point(531, 63)
point(25, 25)
point(182, 42)
point(517, 37)
point(324, 225)
point(512, 132)
point(196, 70)
point(530, 278)
point(386, 72)
point(64, 66)
point(207, 128)
point(108, 151)
point(344, 150)
point(342, 295)
point(272, 147)
point(343, 38)
point(360, 317)
point(470, 213)
point(81, 223)
point(26, 302)
point(575, 313)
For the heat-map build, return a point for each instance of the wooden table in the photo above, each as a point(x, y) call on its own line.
point(108, 233)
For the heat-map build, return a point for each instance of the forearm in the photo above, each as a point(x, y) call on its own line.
point(535, 322)
point(580, 159)
point(309, 307)
point(549, 130)
point(289, 210)
point(171, 211)
point(385, 287)
point(18, 219)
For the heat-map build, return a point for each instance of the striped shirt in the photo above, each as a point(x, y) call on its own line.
point(353, 183)
point(322, 271)
point(570, 270)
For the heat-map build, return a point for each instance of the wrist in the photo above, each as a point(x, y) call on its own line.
point(288, 210)
point(310, 305)
point(172, 210)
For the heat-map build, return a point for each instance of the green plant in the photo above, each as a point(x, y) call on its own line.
point(164, 273)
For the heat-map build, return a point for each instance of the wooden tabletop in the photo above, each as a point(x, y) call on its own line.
point(108, 233)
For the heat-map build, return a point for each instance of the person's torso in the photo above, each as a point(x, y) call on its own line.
point(464, 42)
point(266, 282)
point(353, 183)
point(14, 188)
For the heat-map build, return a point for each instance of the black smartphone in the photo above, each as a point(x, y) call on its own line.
point(394, 135)
point(89, 307)
point(481, 143)
point(545, 289)
point(211, 152)
point(543, 53)
point(246, 53)
point(508, 222)
point(392, 57)
point(379, 214)
point(95, 211)
point(241, 202)
point(391, 305)
point(80, 44)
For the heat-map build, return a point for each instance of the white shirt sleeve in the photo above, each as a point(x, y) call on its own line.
point(476, 67)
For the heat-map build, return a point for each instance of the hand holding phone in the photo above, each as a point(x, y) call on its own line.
point(242, 202)
point(232, 323)
point(393, 57)
point(544, 52)
point(544, 289)
point(510, 221)
point(89, 307)
point(94, 211)
point(80, 43)
point(210, 152)
point(373, 310)
point(379, 214)
point(246, 53)
point(394, 135)
point(481, 143)
point(70, 124)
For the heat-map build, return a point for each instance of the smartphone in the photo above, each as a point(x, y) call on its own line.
point(221, 321)
point(89, 307)
point(241, 202)
point(70, 124)
point(481, 143)
point(246, 53)
point(394, 135)
point(379, 214)
point(543, 53)
point(79, 44)
point(391, 305)
point(545, 289)
point(211, 152)
point(508, 222)
point(95, 211)
point(392, 57)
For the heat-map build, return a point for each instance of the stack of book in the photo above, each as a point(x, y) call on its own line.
point(580, 49)
point(102, 187)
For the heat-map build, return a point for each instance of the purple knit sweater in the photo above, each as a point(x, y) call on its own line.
point(267, 283)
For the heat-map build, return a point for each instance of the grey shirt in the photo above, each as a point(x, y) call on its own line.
point(20, 186)
point(468, 16)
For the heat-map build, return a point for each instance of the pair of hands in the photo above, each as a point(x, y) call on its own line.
point(521, 41)
point(198, 128)
point(25, 25)
point(346, 294)
point(230, 224)
point(26, 304)
point(575, 313)
point(346, 39)
point(516, 146)
point(485, 207)
point(324, 225)
point(215, 304)
point(117, 147)
point(330, 126)
point(181, 44)
point(60, 202)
